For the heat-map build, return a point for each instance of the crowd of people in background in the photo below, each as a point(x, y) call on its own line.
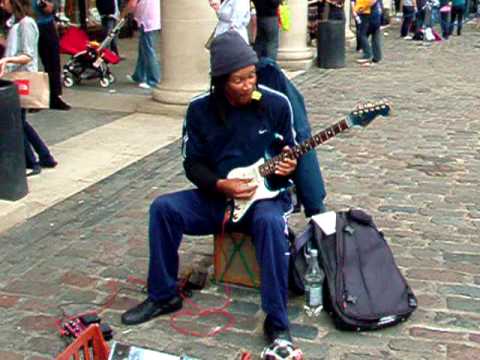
point(255, 20)
point(419, 18)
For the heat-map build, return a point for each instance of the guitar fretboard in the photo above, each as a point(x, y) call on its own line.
point(268, 167)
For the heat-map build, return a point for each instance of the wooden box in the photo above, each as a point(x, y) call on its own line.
point(234, 260)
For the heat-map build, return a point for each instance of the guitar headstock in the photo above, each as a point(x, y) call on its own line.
point(365, 113)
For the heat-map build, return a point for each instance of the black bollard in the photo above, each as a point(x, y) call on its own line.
point(331, 44)
point(13, 182)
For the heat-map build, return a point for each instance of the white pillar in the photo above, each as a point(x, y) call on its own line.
point(293, 53)
point(349, 35)
point(186, 26)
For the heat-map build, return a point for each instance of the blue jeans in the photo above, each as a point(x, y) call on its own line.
point(266, 43)
point(363, 30)
point(32, 139)
point(148, 68)
point(373, 52)
point(194, 212)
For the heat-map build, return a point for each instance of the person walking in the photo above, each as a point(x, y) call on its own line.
point(147, 15)
point(49, 51)
point(409, 10)
point(370, 14)
point(21, 54)
point(458, 9)
point(232, 15)
point(266, 42)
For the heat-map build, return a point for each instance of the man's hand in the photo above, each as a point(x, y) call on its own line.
point(287, 165)
point(236, 188)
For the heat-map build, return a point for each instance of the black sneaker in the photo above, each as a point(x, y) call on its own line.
point(150, 309)
point(272, 333)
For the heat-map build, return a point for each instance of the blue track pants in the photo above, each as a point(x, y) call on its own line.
point(193, 212)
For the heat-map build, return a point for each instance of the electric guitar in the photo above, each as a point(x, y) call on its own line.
point(262, 172)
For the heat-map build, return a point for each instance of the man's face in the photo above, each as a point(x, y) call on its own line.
point(240, 86)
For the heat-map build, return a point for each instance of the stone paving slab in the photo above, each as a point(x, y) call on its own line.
point(90, 156)
point(416, 172)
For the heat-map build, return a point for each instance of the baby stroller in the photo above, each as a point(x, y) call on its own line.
point(90, 60)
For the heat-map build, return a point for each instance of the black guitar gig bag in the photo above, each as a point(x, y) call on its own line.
point(363, 288)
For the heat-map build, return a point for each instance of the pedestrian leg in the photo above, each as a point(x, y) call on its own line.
point(152, 66)
point(30, 158)
point(377, 45)
point(364, 26)
point(49, 51)
point(139, 73)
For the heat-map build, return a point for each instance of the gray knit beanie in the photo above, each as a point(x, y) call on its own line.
point(229, 52)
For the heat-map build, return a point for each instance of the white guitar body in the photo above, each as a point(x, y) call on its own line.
point(240, 206)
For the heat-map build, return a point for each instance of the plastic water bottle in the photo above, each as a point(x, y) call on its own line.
point(313, 286)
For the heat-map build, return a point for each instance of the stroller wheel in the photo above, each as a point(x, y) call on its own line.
point(111, 78)
point(68, 81)
point(104, 82)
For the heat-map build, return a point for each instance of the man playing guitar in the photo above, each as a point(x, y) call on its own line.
point(228, 127)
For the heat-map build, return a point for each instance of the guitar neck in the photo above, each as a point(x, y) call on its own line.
point(268, 167)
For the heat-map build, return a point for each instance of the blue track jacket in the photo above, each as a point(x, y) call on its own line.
point(248, 132)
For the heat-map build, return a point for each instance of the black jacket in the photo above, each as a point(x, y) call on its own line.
point(266, 8)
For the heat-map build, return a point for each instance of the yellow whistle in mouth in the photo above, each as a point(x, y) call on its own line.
point(256, 95)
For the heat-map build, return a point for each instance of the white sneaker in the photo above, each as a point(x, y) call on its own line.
point(362, 61)
point(408, 37)
point(144, 86)
point(130, 78)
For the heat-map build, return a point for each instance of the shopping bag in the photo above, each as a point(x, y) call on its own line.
point(32, 87)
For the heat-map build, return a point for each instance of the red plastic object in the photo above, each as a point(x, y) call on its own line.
point(90, 345)
point(246, 356)
point(73, 41)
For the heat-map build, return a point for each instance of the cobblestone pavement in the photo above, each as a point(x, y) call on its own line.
point(416, 172)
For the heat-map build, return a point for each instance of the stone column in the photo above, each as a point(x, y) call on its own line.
point(350, 36)
point(186, 26)
point(293, 53)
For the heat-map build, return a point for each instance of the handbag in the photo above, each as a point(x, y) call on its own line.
point(32, 87)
